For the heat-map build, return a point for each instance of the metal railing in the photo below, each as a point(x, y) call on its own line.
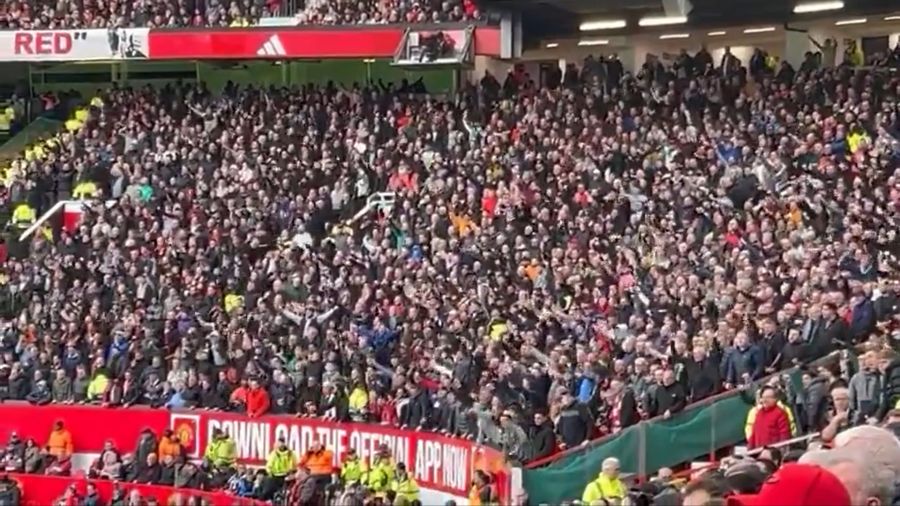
point(707, 402)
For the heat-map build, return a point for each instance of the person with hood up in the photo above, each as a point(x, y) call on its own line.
point(770, 424)
point(542, 437)
point(146, 445)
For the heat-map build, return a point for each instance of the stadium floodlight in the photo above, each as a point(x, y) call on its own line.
point(602, 24)
point(763, 29)
point(857, 21)
point(593, 42)
point(807, 7)
point(662, 20)
point(717, 33)
point(552, 45)
point(674, 36)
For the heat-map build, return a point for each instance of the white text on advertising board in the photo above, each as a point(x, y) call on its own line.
point(432, 462)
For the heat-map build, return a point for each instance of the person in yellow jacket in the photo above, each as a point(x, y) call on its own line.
point(358, 403)
point(352, 470)
point(23, 216)
point(607, 486)
point(380, 471)
point(84, 190)
point(98, 385)
point(856, 138)
point(404, 485)
point(281, 462)
point(751, 418)
point(221, 452)
point(232, 302)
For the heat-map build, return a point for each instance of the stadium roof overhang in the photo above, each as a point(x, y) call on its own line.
point(558, 18)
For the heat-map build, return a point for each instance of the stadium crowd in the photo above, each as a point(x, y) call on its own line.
point(559, 261)
point(69, 14)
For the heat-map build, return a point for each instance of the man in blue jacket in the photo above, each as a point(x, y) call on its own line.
point(744, 362)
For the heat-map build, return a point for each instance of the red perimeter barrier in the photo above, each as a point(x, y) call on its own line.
point(437, 462)
point(291, 42)
point(41, 490)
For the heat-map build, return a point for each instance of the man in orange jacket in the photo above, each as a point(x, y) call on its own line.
point(319, 461)
point(59, 444)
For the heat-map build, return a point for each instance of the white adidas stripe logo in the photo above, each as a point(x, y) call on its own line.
point(272, 47)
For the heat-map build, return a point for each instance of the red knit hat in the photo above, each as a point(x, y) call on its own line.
point(797, 485)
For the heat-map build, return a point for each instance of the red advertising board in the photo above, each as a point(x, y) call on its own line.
point(41, 490)
point(277, 43)
point(437, 462)
point(287, 43)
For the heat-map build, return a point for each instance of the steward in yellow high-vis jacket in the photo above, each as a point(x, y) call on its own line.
point(281, 461)
point(380, 471)
point(23, 216)
point(352, 470)
point(404, 485)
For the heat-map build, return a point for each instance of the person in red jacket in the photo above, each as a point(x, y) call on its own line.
point(257, 400)
point(771, 424)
